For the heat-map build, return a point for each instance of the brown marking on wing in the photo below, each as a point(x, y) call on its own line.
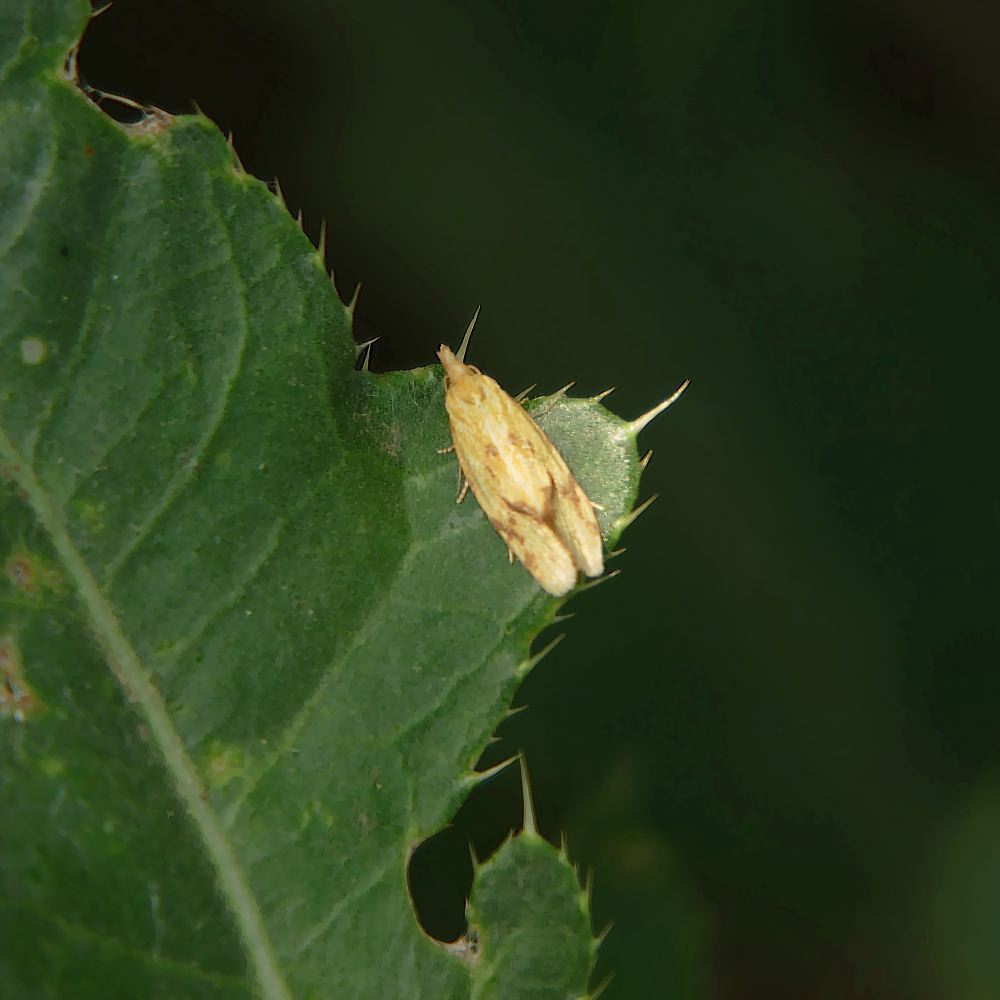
point(510, 534)
point(546, 515)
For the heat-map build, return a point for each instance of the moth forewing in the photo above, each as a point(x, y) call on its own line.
point(497, 446)
point(576, 523)
point(538, 548)
point(519, 479)
point(572, 513)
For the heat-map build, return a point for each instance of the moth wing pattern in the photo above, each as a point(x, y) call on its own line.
point(538, 548)
point(576, 523)
point(520, 480)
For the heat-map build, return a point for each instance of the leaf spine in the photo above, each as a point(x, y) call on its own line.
point(602, 986)
point(478, 777)
point(624, 522)
point(360, 349)
point(529, 826)
point(463, 347)
point(597, 580)
point(525, 666)
point(352, 305)
point(644, 419)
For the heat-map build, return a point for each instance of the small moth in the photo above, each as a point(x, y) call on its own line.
point(521, 482)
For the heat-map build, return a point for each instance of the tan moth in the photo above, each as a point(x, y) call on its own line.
point(522, 483)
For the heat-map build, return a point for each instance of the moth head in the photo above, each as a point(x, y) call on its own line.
point(453, 368)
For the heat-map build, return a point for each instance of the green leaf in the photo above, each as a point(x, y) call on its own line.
point(251, 650)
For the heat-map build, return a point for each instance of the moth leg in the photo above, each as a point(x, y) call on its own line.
point(445, 451)
point(510, 555)
point(463, 487)
point(596, 506)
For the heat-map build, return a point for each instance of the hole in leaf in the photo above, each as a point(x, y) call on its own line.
point(440, 870)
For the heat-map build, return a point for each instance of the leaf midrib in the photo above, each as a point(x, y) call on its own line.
point(134, 679)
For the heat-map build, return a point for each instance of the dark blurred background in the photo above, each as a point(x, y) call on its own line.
point(773, 739)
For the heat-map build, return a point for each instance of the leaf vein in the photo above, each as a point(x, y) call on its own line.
point(134, 678)
point(260, 559)
point(185, 474)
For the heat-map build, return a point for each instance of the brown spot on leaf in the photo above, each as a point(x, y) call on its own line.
point(19, 573)
point(17, 700)
point(32, 575)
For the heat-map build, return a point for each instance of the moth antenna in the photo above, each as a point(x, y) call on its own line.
point(603, 395)
point(523, 394)
point(598, 580)
point(529, 824)
point(644, 461)
point(460, 353)
point(526, 665)
point(359, 349)
point(631, 516)
point(637, 425)
point(352, 305)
